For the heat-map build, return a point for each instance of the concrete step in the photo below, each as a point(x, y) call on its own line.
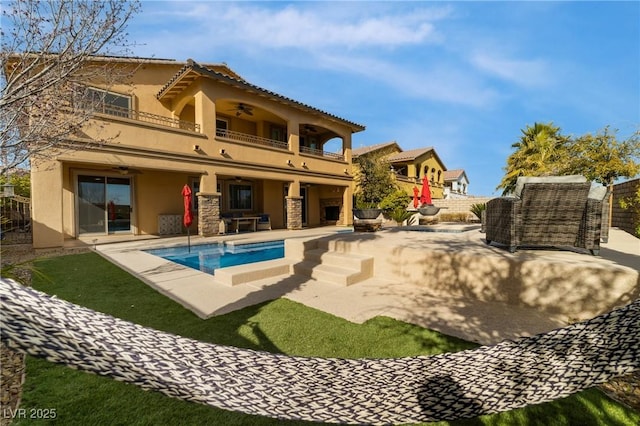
point(331, 273)
point(240, 274)
point(345, 260)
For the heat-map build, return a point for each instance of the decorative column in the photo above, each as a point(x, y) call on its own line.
point(208, 213)
point(294, 212)
point(346, 213)
point(294, 206)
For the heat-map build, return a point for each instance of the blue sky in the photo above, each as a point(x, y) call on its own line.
point(463, 77)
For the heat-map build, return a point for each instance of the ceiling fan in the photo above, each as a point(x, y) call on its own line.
point(310, 129)
point(124, 170)
point(242, 108)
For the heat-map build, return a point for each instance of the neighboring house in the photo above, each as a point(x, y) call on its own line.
point(456, 183)
point(243, 150)
point(409, 167)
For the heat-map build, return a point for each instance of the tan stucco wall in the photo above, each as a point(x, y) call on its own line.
point(162, 159)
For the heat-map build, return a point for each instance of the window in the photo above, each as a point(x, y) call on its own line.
point(195, 188)
point(278, 133)
point(222, 125)
point(108, 102)
point(240, 196)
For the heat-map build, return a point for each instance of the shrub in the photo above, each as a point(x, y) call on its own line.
point(633, 203)
point(397, 200)
point(478, 208)
point(400, 215)
point(453, 217)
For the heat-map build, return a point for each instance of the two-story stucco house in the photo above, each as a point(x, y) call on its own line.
point(243, 149)
point(456, 183)
point(410, 167)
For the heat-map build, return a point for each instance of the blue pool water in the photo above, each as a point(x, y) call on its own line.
point(209, 257)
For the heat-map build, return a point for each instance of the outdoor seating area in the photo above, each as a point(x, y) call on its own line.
point(555, 211)
point(235, 222)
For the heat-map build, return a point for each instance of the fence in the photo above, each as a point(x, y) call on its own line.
point(15, 212)
point(625, 219)
point(455, 206)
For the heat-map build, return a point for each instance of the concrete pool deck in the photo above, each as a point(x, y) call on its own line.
point(447, 281)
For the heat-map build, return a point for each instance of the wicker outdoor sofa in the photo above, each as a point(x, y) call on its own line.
point(559, 211)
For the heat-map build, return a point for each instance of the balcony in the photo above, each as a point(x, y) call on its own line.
point(321, 153)
point(146, 117)
point(272, 143)
point(255, 140)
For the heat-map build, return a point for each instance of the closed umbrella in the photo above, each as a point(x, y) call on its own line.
point(188, 218)
point(425, 196)
point(415, 197)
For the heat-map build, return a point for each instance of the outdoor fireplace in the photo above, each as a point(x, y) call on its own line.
point(330, 211)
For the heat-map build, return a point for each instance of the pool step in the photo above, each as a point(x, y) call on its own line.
point(240, 274)
point(335, 267)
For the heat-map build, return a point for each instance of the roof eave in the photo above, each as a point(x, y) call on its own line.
point(199, 70)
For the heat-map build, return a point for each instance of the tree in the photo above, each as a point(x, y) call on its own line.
point(374, 181)
point(602, 158)
point(49, 50)
point(541, 151)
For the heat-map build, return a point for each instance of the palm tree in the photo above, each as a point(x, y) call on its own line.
point(541, 151)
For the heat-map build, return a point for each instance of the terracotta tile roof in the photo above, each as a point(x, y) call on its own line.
point(192, 70)
point(453, 174)
point(410, 155)
point(371, 148)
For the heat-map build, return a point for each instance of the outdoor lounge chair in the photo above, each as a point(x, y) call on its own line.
point(554, 211)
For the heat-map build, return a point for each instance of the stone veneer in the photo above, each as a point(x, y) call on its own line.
point(208, 214)
point(294, 212)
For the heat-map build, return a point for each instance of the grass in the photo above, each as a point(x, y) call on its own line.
point(277, 326)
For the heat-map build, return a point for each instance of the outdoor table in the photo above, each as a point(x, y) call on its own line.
point(252, 220)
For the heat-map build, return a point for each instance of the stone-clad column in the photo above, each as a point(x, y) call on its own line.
point(208, 213)
point(294, 212)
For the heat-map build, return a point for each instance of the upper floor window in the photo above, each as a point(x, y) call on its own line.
point(105, 101)
point(278, 133)
point(222, 125)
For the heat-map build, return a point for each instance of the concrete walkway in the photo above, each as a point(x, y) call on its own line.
point(446, 281)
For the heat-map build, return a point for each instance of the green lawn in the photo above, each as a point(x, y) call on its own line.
point(279, 326)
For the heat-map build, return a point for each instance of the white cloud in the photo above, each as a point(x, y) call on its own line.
point(527, 73)
point(438, 83)
point(302, 25)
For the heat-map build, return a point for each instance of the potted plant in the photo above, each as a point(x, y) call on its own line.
point(374, 183)
point(400, 214)
point(366, 209)
point(428, 210)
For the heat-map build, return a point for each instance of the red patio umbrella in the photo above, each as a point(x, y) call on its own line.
point(188, 218)
point(415, 197)
point(425, 196)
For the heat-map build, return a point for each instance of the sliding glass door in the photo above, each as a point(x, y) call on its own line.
point(104, 204)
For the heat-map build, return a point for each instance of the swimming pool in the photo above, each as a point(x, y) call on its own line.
point(209, 257)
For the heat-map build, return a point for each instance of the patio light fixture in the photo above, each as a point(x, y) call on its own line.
point(8, 190)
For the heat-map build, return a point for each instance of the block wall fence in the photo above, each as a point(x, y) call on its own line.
point(459, 205)
point(625, 219)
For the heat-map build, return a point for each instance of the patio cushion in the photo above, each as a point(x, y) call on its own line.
point(597, 192)
point(546, 179)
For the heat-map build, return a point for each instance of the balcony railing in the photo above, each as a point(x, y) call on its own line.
point(252, 139)
point(321, 153)
point(147, 117)
point(243, 137)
